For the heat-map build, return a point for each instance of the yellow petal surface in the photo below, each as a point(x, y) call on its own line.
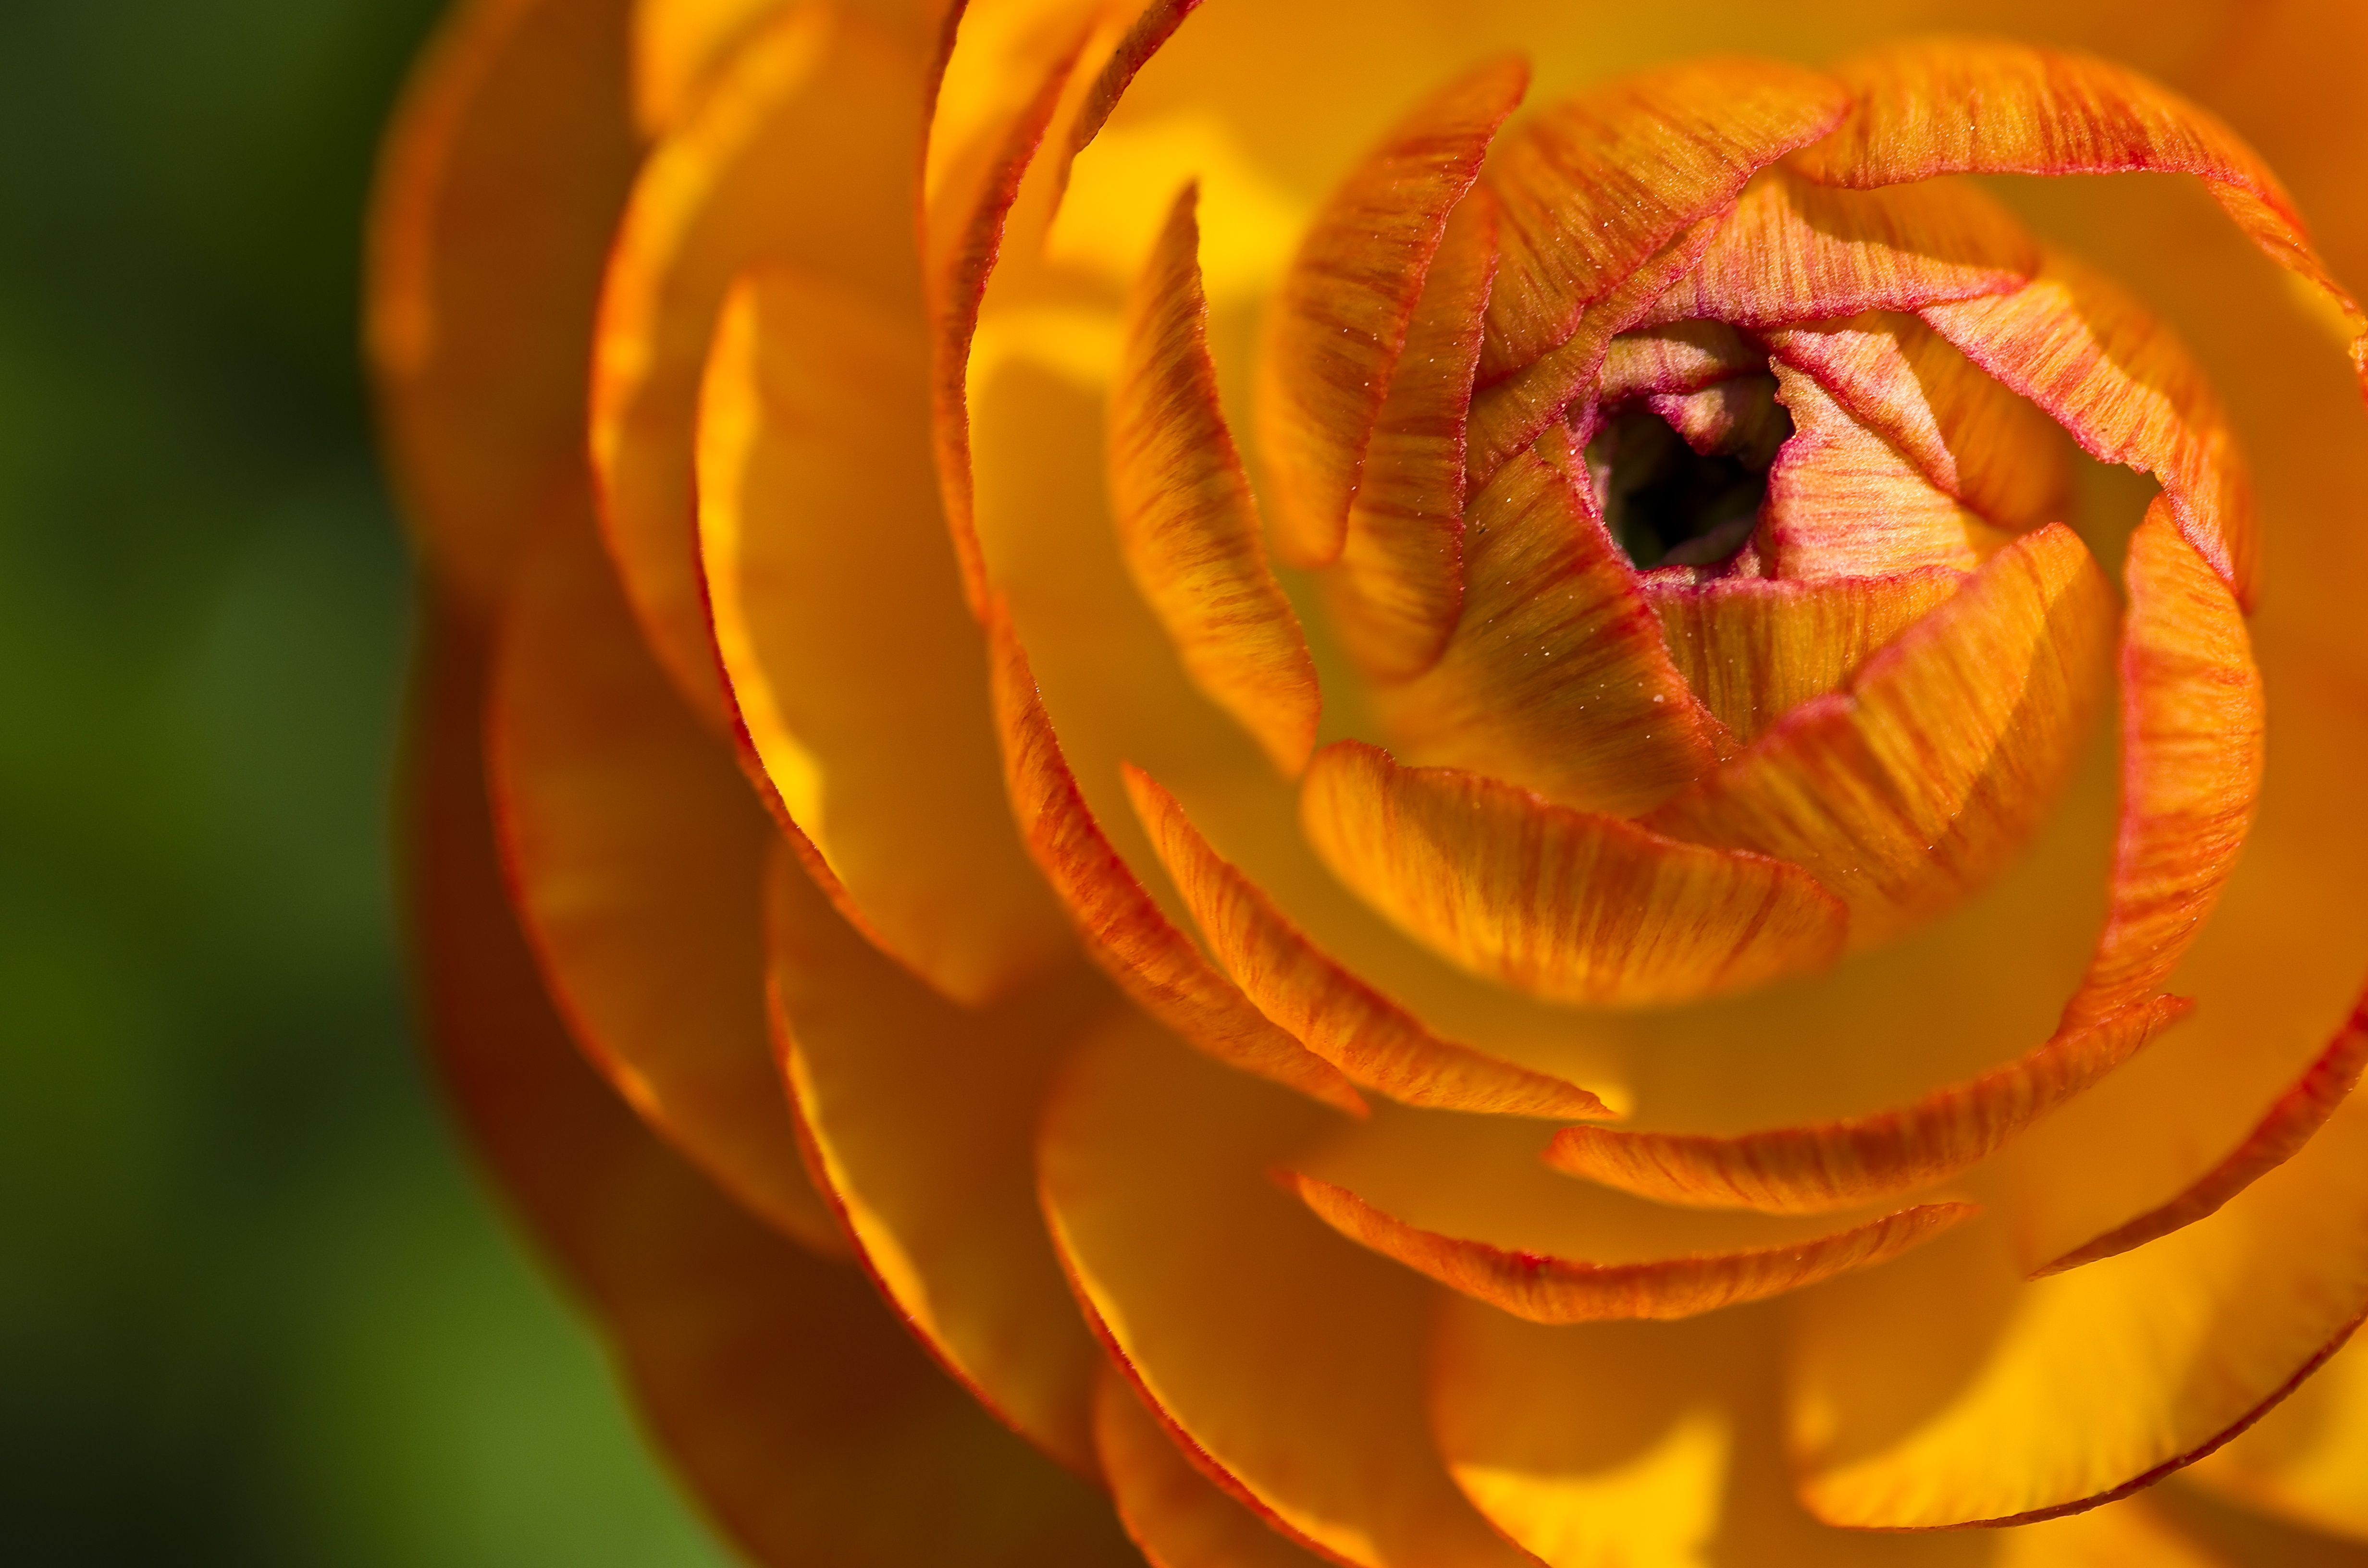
point(1376, 1042)
point(1794, 251)
point(1556, 678)
point(1180, 1517)
point(1597, 183)
point(1338, 322)
point(504, 172)
point(795, 1409)
point(636, 852)
point(2304, 1460)
point(1567, 905)
point(1186, 518)
point(739, 183)
point(855, 671)
point(679, 49)
point(920, 1116)
point(1917, 783)
point(1290, 1357)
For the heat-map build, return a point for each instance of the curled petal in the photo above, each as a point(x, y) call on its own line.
point(1338, 322)
point(1186, 519)
point(1123, 927)
point(1376, 1042)
point(1841, 1164)
point(1565, 904)
point(1600, 182)
point(1564, 1290)
point(1678, 358)
point(1915, 785)
point(1180, 1517)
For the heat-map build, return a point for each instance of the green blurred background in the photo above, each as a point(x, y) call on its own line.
point(253, 1307)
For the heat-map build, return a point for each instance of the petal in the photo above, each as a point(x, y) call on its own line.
point(1186, 519)
point(1180, 1517)
point(2129, 393)
point(504, 172)
point(1556, 678)
point(1755, 648)
point(794, 1408)
point(1289, 1358)
point(679, 48)
point(1123, 928)
point(1567, 1290)
point(1992, 106)
point(1597, 183)
point(1932, 769)
point(1680, 357)
point(635, 849)
point(737, 185)
point(1338, 322)
point(2191, 745)
point(2304, 1461)
point(1794, 251)
point(920, 1116)
point(1398, 588)
point(1565, 904)
point(1376, 1042)
point(1871, 1159)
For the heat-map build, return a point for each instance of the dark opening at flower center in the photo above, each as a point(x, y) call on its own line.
point(1669, 504)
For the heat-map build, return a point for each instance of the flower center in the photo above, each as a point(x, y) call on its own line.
point(1691, 498)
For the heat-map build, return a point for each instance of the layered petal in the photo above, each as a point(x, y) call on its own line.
point(1177, 1515)
point(855, 672)
point(2304, 1461)
point(1186, 521)
point(1567, 905)
point(1338, 322)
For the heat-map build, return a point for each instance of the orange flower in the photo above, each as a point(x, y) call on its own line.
point(1720, 960)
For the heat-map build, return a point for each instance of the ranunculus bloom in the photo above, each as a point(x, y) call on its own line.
point(1463, 786)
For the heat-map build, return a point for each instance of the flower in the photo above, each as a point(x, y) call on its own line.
point(1693, 975)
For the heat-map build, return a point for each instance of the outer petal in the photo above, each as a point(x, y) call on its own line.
point(2304, 1460)
point(1349, 1023)
point(1186, 518)
point(1177, 1515)
point(1338, 322)
point(502, 179)
point(855, 671)
point(636, 850)
point(795, 1408)
point(736, 185)
point(1915, 785)
point(1290, 1359)
point(1567, 905)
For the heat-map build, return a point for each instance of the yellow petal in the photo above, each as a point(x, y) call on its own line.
point(679, 48)
point(1180, 1517)
point(2303, 1463)
point(636, 851)
point(1186, 518)
point(1338, 322)
point(854, 668)
point(1567, 905)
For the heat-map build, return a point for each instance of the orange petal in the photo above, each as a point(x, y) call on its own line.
point(1679, 357)
point(920, 1116)
point(1917, 784)
point(1291, 1360)
point(1123, 928)
point(1338, 322)
point(1597, 183)
point(2193, 737)
point(1968, 434)
point(635, 849)
point(1398, 586)
point(1793, 251)
point(1376, 1042)
point(679, 48)
point(1843, 502)
point(1869, 1159)
point(1179, 1517)
point(1186, 519)
point(2299, 1113)
point(1755, 648)
point(479, 330)
point(738, 184)
point(2304, 1461)
point(1992, 106)
point(2077, 345)
point(1556, 678)
point(1561, 903)
point(1565, 1290)
point(856, 672)
point(787, 1398)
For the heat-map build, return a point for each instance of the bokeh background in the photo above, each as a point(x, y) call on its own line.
point(254, 1308)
